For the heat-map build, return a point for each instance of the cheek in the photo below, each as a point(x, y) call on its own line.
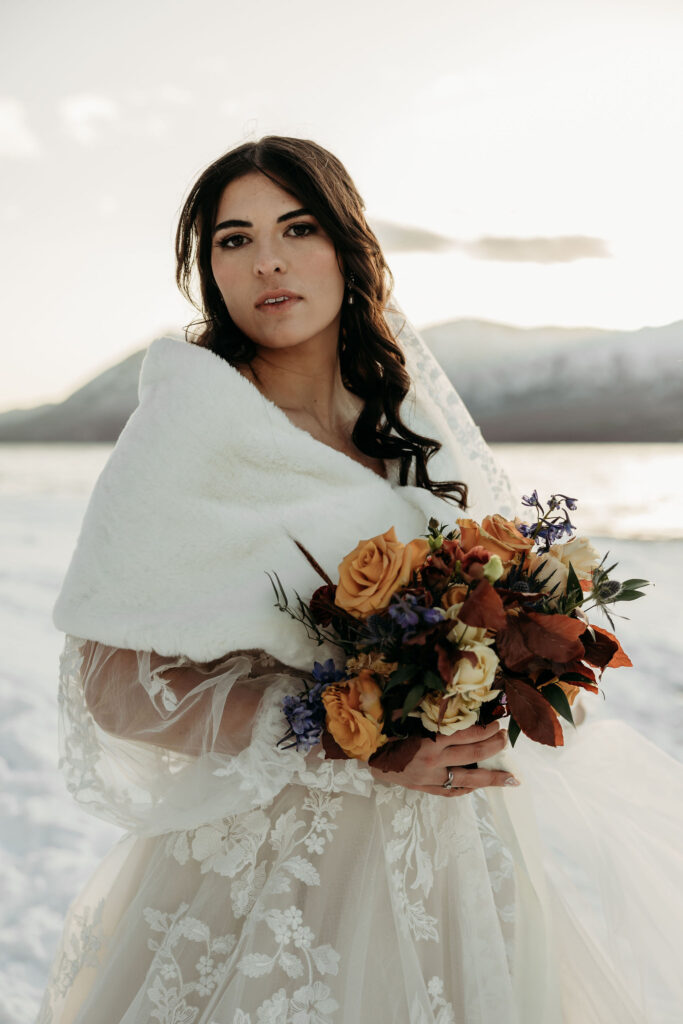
point(322, 267)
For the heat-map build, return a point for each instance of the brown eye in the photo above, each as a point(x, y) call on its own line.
point(224, 242)
point(309, 228)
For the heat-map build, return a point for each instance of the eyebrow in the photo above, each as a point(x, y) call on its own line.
point(248, 224)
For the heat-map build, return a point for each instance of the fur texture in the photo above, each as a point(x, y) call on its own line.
point(201, 497)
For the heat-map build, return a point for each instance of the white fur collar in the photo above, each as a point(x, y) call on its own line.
point(195, 504)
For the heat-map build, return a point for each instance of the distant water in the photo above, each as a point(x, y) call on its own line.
point(630, 491)
point(630, 502)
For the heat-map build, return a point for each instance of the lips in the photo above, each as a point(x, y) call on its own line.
point(281, 293)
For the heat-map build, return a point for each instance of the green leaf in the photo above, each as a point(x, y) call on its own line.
point(433, 680)
point(400, 676)
point(415, 695)
point(627, 584)
point(574, 590)
point(559, 700)
point(513, 732)
point(629, 595)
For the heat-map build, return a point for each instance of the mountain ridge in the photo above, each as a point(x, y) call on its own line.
point(519, 383)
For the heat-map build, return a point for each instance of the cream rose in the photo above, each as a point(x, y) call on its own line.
point(549, 566)
point(581, 553)
point(470, 687)
point(474, 681)
point(462, 634)
point(459, 714)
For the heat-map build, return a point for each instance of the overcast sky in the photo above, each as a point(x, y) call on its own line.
point(520, 160)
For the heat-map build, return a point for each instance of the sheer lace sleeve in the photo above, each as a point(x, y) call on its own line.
point(157, 744)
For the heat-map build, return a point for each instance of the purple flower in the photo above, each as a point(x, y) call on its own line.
point(306, 720)
point(404, 610)
point(530, 500)
point(408, 613)
point(327, 672)
point(305, 712)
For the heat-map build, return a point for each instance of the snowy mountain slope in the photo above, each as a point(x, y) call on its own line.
point(520, 384)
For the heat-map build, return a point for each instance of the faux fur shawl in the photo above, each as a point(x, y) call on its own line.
point(201, 497)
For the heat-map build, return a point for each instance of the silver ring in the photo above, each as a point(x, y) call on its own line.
point(448, 784)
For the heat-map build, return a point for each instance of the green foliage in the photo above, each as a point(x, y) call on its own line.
point(559, 700)
point(513, 732)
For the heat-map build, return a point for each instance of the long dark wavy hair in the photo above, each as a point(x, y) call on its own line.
point(371, 362)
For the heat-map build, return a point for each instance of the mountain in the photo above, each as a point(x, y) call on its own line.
point(566, 384)
point(520, 384)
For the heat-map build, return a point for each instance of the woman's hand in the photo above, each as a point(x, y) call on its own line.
point(428, 769)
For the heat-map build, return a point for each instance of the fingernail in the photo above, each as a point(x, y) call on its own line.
point(512, 781)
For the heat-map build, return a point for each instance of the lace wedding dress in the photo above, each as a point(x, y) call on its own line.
point(261, 885)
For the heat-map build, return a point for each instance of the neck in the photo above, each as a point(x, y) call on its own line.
point(306, 383)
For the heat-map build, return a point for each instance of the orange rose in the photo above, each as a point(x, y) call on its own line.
point(454, 595)
point(499, 536)
point(375, 570)
point(355, 715)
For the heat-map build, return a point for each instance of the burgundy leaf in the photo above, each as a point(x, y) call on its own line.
point(533, 713)
point(332, 748)
point(394, 755)
point(601, 650)
point(575, 666)
point(483, 607)
point(511, 645)
point(619, 658)
point(446, 660)
point(554, 637)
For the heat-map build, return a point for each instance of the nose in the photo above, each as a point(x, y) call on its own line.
point(267, 261)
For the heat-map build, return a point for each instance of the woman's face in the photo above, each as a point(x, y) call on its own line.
point(263, 242)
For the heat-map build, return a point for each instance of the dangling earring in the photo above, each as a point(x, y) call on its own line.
point(350, 284)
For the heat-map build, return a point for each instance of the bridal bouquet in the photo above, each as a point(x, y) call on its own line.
point(457, 627)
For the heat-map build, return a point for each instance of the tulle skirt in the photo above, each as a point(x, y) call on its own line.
point(558, 901)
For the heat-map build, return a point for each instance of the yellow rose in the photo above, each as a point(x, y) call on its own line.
point(498, 535)
point(375, 570)
point(470, 687)
point(462, 634)
point(355, 715)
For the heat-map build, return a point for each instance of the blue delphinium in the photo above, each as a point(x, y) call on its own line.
point(548, 531)
point(408, 613)
point(305, 712)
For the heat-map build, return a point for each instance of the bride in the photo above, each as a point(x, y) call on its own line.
point(262, 885)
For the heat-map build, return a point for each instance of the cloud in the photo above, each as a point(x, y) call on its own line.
point(561, 249)
point(403, 238)
point(16, 138)
point(83, 116)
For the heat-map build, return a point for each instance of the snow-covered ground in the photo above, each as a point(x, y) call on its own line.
point(49, 846)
